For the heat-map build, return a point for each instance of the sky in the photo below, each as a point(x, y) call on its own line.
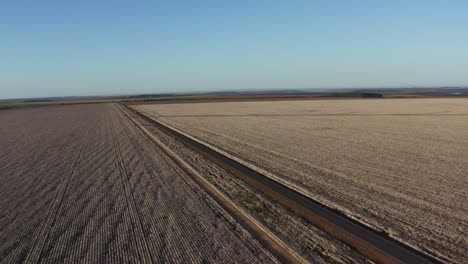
point(65, 48)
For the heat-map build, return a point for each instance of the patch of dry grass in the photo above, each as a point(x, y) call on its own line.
point(399, 165)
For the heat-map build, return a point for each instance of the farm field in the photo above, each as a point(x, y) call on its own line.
point(398, 165)
point(306, 239)
point(80, 184)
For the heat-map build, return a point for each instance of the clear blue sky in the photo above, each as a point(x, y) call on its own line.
point(61, 48)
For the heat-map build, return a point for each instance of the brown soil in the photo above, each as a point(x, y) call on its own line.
point(310, 242)
point(80, 184)
point(396, 165)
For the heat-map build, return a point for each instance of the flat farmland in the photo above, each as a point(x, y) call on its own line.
point(397, 165)
point(81, 184)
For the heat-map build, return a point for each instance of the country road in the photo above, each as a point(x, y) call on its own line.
point(79, 184)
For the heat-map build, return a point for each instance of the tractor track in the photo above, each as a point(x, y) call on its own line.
point(35, 254)
point(265, 237)
point(95, 189)
point(370, 243)
point(145, 257)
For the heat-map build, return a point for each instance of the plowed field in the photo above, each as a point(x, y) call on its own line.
point(400, 165)
point(79, 184)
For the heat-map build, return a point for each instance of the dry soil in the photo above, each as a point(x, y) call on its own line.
point(400, 165)
point(80, 184)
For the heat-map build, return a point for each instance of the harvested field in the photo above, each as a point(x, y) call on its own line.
point(312, 243)
point(396, 165)
point(80, 184)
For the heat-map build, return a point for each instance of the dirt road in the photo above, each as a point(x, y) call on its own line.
point(79, 184)
point(398, 166)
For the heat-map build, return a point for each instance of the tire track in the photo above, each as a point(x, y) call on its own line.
point(402, 175)
point(178, 214)
point(263, 236)
point(26, 201)
point(21, 191)
point(95, 225)
point(145, 256)
point(368, 242)
point(100, 192)
point(34, 255)
point(309, 241)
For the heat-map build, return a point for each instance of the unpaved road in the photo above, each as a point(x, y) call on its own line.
point(306, 239)
point(397, 165)
point(80, 184)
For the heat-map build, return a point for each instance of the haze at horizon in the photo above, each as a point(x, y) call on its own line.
point(53, 48)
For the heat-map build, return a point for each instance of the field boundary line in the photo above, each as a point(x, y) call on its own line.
point(266, 238)
point(373, 244)
point(145, 253)
point(37, 181)
point(219, 150)
point(35, 254)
